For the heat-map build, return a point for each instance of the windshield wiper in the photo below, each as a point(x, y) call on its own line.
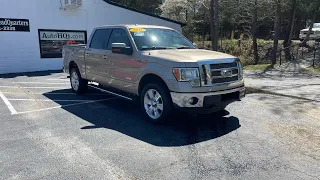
point(154, 48)
point(184, 47)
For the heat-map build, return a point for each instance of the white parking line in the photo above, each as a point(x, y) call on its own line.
point(37, 83)
point(16, 87)
point(68, 105)
point(48, 100)
point(87, 94)
point(9, 105)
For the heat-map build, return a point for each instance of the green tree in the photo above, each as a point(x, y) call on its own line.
point(150, 6)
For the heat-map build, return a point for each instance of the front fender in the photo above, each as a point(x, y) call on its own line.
point(165, 73)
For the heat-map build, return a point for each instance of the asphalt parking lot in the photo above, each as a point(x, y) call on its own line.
point(47, 132)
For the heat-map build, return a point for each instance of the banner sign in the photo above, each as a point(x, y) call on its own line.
point(7, 24)
point(52, 41)
point(62, 36)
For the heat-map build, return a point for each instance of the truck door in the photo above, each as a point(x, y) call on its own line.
point(96, 57)
point(122, 65)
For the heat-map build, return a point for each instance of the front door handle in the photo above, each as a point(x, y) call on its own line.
point(105, 57)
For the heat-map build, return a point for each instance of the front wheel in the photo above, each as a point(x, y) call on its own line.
point(78, 84)
point(156, 103)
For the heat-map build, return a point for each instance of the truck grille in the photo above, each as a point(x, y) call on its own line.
point(224, 80)
point(306, 32)
point(224, 73)
point(224, 65)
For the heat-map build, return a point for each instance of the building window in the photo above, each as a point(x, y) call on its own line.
point(52, 41)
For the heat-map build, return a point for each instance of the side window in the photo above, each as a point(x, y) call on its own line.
point(100, 39)
point(119, 36)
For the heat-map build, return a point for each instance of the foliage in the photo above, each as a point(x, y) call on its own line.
point(243, 50)
point(150, 6)
point(253, 21)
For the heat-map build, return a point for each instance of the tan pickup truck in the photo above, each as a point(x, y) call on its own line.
point(158, 66)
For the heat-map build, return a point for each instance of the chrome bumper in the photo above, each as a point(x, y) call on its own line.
point(312, 36)
point(182, 100)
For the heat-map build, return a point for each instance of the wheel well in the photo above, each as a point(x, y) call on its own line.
point(148, 78)
point(72, 64)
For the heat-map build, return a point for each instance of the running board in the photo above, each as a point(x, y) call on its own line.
point(109, 92)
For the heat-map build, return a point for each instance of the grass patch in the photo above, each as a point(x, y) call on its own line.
point(311, 70)
point(260, 67)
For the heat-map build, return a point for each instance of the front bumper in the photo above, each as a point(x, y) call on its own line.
point(312, 36)
point(207, 100)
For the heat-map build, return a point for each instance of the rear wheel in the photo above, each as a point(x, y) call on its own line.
point(78, 84)
point(156, 103)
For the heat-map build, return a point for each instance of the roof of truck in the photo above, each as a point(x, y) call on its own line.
point(129, 26)
point(134, 26)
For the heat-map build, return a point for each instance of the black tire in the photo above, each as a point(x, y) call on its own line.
point(83, 84)
point(166, 101)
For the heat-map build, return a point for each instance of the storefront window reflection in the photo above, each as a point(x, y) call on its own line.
point(52, 41)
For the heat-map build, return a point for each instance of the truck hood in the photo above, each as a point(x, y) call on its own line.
point(313, 29)
point(187, 55)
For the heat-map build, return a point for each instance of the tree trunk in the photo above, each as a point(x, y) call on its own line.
point(276, 32)
point(287, 41)
point(254, 32)
point(204, 30)
point(216, 25)
point(293, 20)
point(212, 23)
point(315, 13)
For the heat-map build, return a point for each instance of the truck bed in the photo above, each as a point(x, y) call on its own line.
point(73, 52)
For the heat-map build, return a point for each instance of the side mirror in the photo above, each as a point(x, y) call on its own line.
point(121, 48)
point(195, 45)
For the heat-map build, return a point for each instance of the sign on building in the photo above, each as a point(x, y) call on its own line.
point(7, 24)
point(52, 41)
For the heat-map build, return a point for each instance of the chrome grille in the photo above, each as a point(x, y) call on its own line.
point(219, 72)
point(224, 80)
point(224, 65)
point(224, 73)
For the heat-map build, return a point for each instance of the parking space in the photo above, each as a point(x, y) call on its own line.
point(25, 95)
point(48, 132)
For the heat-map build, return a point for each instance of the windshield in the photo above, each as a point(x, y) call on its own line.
point(316, 25)
point(155, 38)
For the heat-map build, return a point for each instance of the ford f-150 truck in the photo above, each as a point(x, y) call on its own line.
point(158, 66)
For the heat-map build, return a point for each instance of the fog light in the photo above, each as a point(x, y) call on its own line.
point(193, 101)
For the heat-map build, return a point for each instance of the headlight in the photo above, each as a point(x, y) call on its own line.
point(240, 70)
point(190, 75)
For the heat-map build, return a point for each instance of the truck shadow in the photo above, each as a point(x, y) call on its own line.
point(125, 117)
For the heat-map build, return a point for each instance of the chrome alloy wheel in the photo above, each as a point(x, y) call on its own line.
point(153, 103)
point(75, 80)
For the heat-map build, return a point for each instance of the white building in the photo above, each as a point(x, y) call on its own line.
point(32, 32)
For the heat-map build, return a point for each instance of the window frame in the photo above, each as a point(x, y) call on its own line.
point(107, 41)
point(127, 33)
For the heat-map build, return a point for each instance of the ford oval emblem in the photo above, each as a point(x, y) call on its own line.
point(226, 73)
